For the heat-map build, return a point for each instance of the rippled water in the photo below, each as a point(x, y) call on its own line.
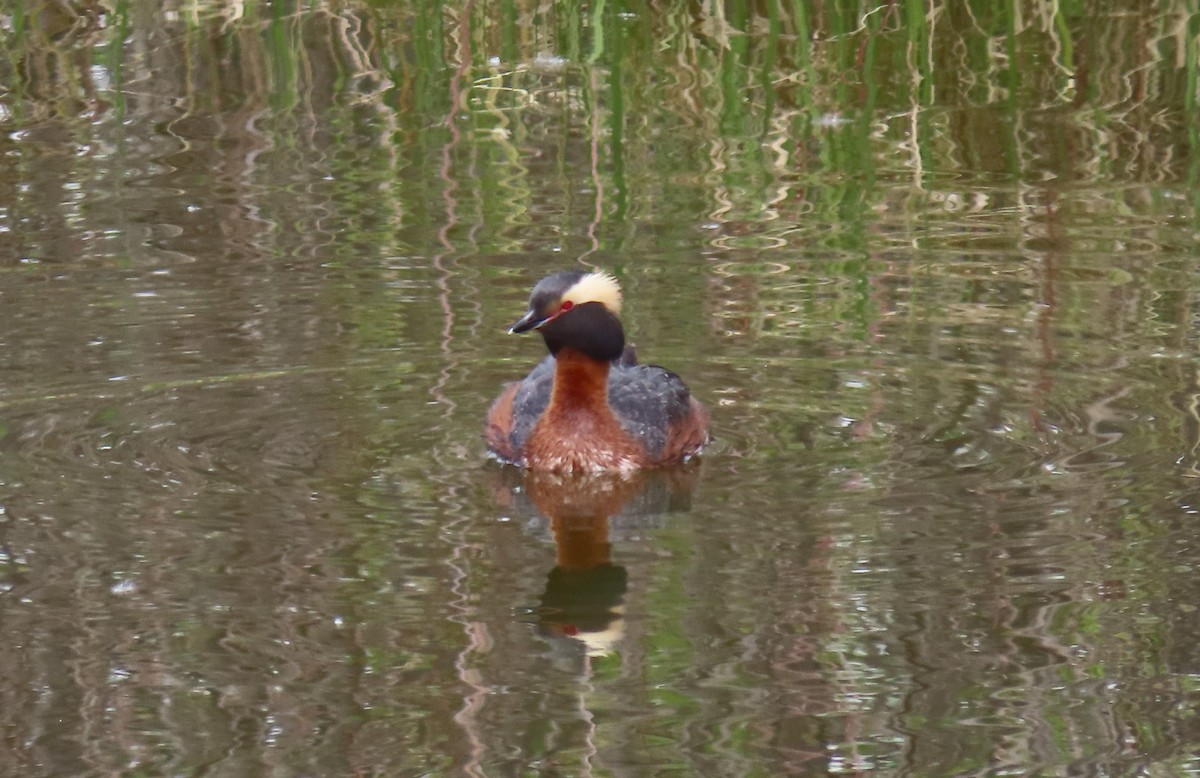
point(932, 269)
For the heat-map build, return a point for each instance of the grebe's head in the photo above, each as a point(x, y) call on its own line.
point(577, 310)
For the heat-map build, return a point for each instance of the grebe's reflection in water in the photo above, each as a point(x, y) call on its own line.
point(583, 602)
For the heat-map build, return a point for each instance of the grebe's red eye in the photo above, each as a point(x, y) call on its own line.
point(566, 306)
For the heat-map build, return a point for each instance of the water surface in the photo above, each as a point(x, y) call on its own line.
point(932, 269)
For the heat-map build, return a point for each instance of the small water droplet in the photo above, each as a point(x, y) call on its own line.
point(124, 586)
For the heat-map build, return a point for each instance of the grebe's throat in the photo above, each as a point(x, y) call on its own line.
point(580, 382)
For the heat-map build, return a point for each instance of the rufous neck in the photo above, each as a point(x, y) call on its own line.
point(579, 381)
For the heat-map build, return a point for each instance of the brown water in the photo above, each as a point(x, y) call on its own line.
point(933, 270)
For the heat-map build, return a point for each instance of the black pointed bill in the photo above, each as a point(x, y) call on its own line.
point(530, 321)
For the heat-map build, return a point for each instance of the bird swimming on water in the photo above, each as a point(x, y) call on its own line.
point(589, 406)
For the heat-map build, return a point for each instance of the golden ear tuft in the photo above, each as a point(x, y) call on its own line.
point(597, 287)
